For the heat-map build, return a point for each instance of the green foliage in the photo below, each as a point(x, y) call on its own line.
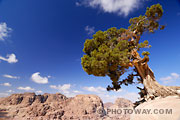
point(162, 27)
point(148, 22)
point(110, 52)
point(104, 54)
point(144, 44)
point(144, 53)
point(155, 12)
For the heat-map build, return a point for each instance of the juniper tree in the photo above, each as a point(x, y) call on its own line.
point(116, 51)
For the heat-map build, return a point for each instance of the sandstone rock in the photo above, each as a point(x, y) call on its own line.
point(159, 105)
point(123, 103)
point(84, 107)
point(52, 106)
point(29, 106)
point(108, 104)
point(25, 99)
point(113, 111)
point(54, 97)
point(14, 99)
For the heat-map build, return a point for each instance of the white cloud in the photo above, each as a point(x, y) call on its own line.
point(10, 91)
point(131, 96)
point(49, 76)
point(38, 79)
point(26, 88)
point(77, 91)
point(4, 31)
point(106, 96)
point(178, 14)
point(90, 30)
point(166, 78)
point(66, 89)
point(53, 86)
point(39, 92)
point(62, 88)
point(78, 4)
point(171, 78)
point(95, 89)
point(10, 76)
point(11, 58)
point(4, 94)
point(175, 75)
point(111, 96)
point(6, 84)
point(120, 7)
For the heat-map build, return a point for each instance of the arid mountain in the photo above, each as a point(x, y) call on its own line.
point(29, 106)
point(108, 104)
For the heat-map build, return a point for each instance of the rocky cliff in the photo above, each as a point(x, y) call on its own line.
point(29, 106)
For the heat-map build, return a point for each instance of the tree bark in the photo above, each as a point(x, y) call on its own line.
point(151, 86)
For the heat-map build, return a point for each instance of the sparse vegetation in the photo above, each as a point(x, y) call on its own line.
point(116, 51)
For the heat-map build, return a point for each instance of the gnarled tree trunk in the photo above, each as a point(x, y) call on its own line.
point(152, 88)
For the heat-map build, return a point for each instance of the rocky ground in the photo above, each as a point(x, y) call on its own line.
point(29, 106)
point(165, 109)
point(3, 114)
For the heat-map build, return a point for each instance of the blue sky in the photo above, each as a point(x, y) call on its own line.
point(41, 44)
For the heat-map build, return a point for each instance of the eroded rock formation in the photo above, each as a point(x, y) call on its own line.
point(52, 106)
